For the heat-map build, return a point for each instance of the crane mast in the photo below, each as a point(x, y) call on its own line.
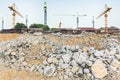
point(60, 25)
point(13, 15)
point(93, 22)
point(105, 13)
point(106, 20)
point(12, 8)
point(77, 19)
point(2, 23)
point(45, 13)
point(26, 21)
point(106, 23)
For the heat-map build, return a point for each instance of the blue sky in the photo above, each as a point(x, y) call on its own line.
point(57, 9)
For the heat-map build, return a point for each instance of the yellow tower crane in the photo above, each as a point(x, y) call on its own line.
point(12, 8)
point(105, 13)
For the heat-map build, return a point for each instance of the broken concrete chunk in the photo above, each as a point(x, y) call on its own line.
point(66, 58)
point(98, 69)
point(49, 71)
point(115, 63)
point(98, 53)
point(75, 69)
point(86, 71)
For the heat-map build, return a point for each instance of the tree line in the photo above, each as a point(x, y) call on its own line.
point(42, 26)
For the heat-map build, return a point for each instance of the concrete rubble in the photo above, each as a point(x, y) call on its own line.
point(51, 55)
point(98, 69)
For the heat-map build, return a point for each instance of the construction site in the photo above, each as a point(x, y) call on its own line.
point(59, 53)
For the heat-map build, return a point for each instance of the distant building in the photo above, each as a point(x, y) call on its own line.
point(88, 29)
point(113, 29)
point(32, 30)
point(64, 30)
point(22, 30)
point(75, 31)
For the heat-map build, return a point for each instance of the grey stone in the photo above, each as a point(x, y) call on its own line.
point(1, 60)
point(62, 50)
point(117, 56)
point(77, 47)
point(89, 63)
point(52, 60)
point(60, 62)
point(82, 58)
point(76, 56)
point(118, 50)
point(91, 50)
point(13, 60)
point(80, 71)
point(98, 53)
point(89, 75)
point(67, 71)
point(49, 70)
point(21, 59)
point(65, 77)
point(2, 54)
point(112, 68)
point(115, 63)
point(66, 58)
point(37, 33)
point(112, 51)
point(73, 63)
point(61, 78)
point(83, 65)
point(24, 63)
point(64, 66)
point(49, 60)
point(7, 52)
point(1, 51)
point(22, 54)
point(67, 48)
point(35, 42)
point(86, 71)
point(71, 74)
point(91, 58)
point(40, 70)
point(55, 60)
point(74, 48)
point(69, 52)
point(55, 74)
point(45, 62)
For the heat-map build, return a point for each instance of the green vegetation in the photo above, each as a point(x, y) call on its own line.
point(20, 25)
point(44, 27)
point(52, 29)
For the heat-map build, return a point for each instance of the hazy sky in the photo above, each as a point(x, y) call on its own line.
point(57, 9)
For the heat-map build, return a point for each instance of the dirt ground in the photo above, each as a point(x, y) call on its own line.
point(7, 37)
point(11, 74)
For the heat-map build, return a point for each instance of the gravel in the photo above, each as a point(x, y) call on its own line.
point(53, 55)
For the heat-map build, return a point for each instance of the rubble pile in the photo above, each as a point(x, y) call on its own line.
point(52, 55)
